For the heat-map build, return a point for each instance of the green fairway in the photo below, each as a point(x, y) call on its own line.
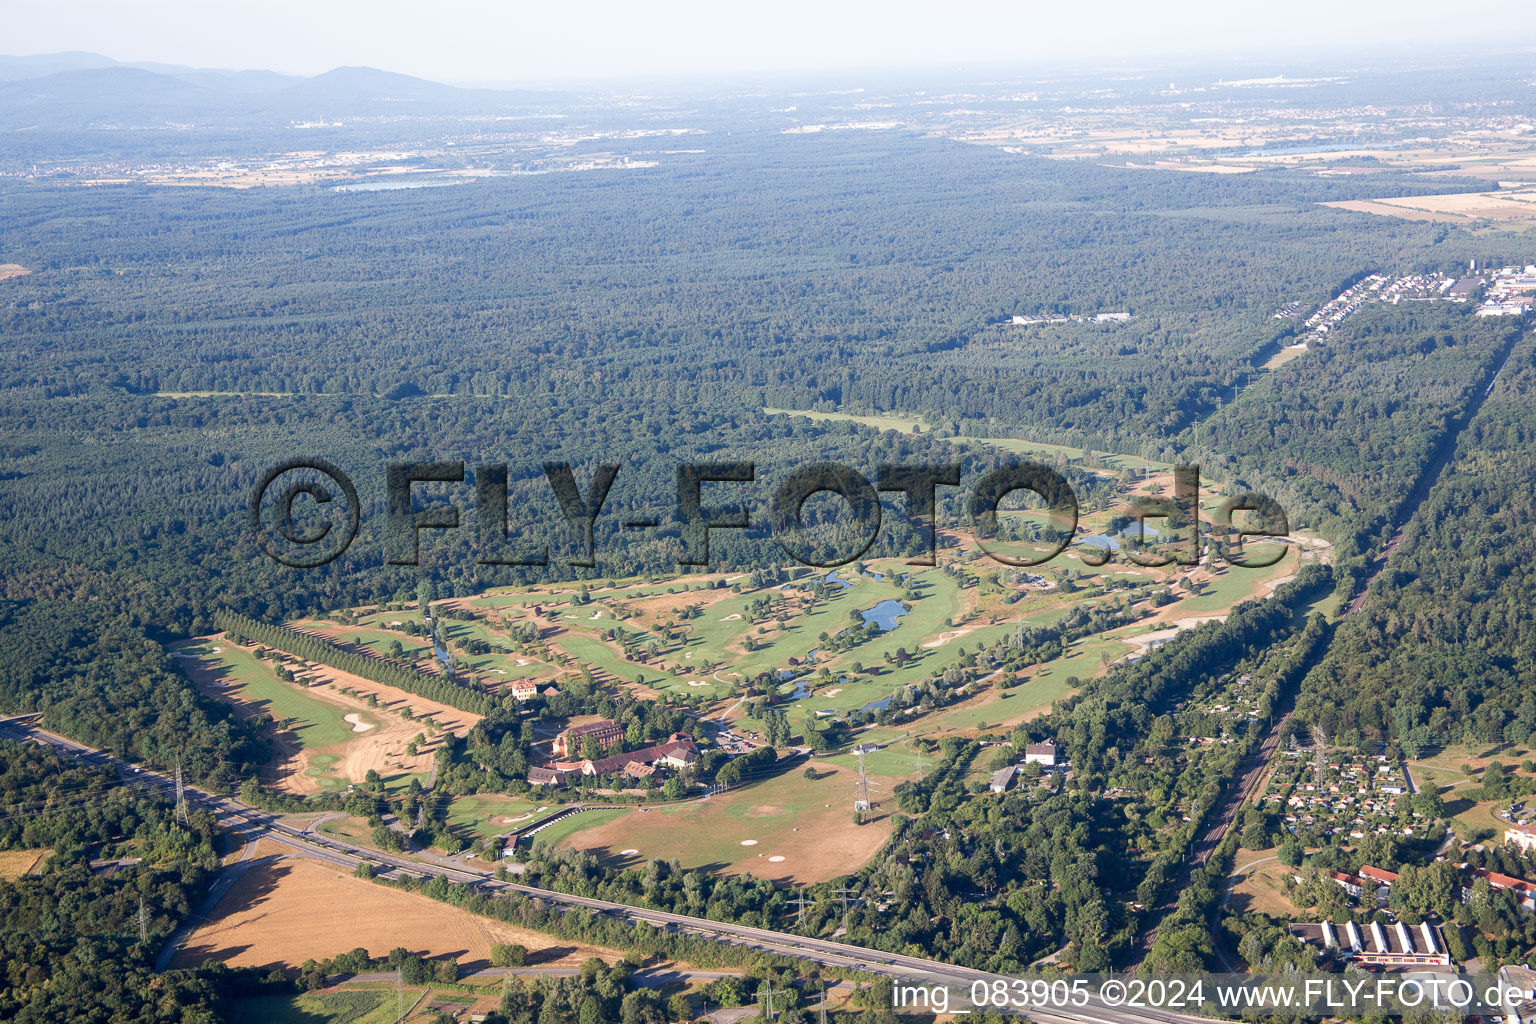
point(1047, 684)
point(594, 652)
point(483, 813)
point(938, 600)
point(1235, 585)
point(316, 723)
point(557, 833)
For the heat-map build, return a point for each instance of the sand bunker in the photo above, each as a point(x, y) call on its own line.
point(357, 724)
point(733, 617)
point(749, 842)
point(775, 859)
point(945, 637)
point(1147, 640)
point(833, 692)
point(628, 853)
point(522, 661)
point(695, 682)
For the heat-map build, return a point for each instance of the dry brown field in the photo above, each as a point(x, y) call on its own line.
point(15, 863)
point(290, 909)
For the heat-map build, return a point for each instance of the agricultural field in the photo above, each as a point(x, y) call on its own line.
point(1515, 206)
point(287, 910)
point(786, 828)
point(324, 739)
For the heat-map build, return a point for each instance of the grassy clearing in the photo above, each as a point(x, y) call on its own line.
point(900, 424)
point(1263, 890)
point(1475, 822)
point(916, 424)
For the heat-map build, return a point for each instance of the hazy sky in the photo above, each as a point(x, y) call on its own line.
point(516, 41)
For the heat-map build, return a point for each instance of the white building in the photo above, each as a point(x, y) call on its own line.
point(1523, 836)
point(1041, 753)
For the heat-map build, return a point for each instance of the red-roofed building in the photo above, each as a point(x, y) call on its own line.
point(1525, 890)
point(606, 733)
point(1351, 884)
point(678, 752)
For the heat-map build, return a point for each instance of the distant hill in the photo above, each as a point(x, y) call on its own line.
point(369, 85)
point(78, 90)
point(70, 99)
point(39, 64)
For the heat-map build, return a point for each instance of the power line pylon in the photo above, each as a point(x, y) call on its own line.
point(181, 795)
point(765, 996)
point(844, 893)
point(862, 787)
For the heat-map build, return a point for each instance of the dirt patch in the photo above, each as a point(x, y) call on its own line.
point(1262, 889)
point(391, 700)
point(285, 911)
point(15, 863)
point(10, 270)
point(1285, 355)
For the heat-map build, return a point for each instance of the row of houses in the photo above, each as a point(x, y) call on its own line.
point(1378, 882)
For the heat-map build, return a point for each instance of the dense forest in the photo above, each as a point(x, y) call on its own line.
point(1444, 649)
point(171, 345)
point(79, 944)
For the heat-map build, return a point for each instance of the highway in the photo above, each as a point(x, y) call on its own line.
point(909, 970)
